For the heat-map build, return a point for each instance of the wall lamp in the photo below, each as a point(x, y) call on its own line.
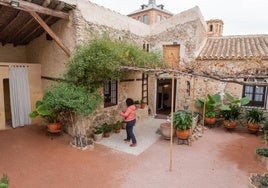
point(14, 3)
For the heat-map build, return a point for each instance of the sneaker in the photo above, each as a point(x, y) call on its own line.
point(126, 140)
point(133, 145)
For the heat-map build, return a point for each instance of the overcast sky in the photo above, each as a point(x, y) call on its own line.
point(240, 17)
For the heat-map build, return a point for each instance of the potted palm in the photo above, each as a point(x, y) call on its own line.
point(211, 104)
point(232, 110)
point(183, 121)
point(117, 127)
point(107, 128)
point(254, 117)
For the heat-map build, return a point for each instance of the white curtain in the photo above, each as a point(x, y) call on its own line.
point(19, 95)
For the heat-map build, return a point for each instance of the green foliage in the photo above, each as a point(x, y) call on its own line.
point(232, 110)
point(107, 127)
point(98, 129)
point(45, 110)
point(182, 120)
point(255, 115)
point(76, 99)
point(262, 151)
point(211, 104)
point(100, 60)
point(4, 181)
point(118, 125)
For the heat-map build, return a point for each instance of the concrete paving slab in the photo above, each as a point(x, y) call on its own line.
point(145, 132)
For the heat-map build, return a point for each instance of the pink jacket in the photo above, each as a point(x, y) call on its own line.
point(130, 113)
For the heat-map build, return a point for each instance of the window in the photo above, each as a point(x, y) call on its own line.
point(145, 19)
point(110, 93)
point(256, 94)
point(159, 18)
point(211, 28)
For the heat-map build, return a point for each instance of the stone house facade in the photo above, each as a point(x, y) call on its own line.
point(181, 39)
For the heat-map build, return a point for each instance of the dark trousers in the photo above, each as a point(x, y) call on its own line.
point(129, 129)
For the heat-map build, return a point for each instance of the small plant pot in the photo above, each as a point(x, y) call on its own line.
point(210, 121)
point(106, 134)
point(98, 137)
point(229, 124)
point(253, 127)
point(183, 134)
point(54, 127)
point(117, 131)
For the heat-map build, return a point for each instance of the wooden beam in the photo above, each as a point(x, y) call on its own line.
point(50, 32)
point(27, 6)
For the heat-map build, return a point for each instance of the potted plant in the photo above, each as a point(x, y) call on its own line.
point(117, 127)
point(107, 128)
point(142, 104)
point(254, 117)
point(47, 112)
point(183, 121)
point(231, 111)
point(4, 181)
point(211, 104)
point(98, 133)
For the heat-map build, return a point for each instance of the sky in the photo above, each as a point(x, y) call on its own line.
point(240, 17)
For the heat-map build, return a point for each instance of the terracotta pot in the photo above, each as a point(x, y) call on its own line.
point(210, 121)
point(229, 124)
point(183, 134)
point(253, 127)
point(106, 134)
point(143, 105)
point(117, 130)
point(165, 130)
point(54, 127)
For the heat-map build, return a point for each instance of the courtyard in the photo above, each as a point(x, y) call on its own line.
point(219, 158)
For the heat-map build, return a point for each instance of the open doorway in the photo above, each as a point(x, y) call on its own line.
point(7, 105)
point(164, 95)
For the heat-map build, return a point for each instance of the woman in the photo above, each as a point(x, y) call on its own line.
point(130, 118)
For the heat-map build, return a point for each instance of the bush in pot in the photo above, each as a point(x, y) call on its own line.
point(232, 110)
point(98, 132)
point(183, 121)
point(211, 103)
point(254, 117)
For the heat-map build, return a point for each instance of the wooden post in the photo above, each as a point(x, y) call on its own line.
point(171, 122)
point(204, 107)
point(193, 103)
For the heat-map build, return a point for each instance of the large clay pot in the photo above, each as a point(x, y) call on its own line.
point(210, 121)
point(229, 124)
point(253, 127)
point(183, 134)
point(54, 127)
point(165, 129)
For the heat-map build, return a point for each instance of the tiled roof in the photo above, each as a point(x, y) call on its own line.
point(235, 47)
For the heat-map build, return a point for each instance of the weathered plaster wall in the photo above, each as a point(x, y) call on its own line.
point(9, 53)
point(47, 53)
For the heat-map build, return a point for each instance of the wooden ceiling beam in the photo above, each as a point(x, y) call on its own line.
point(27, 6)
point(50, 32)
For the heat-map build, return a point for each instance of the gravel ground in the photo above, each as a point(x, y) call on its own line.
point(219, 159)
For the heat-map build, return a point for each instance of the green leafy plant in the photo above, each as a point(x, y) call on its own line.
point(255, 115)
point(4, 181)
point(44, 110)
point(211, 104)
point(262, 151)
point(118, 125)
point(98, 130)
point(232, 110)
point(182, 120)
point(107, 127)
